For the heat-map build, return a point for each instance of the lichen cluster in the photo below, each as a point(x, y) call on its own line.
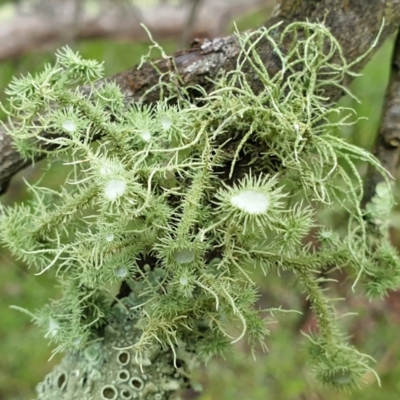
point(105, 370)
point(197, 191)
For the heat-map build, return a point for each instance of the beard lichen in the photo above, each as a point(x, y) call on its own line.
point(179, 199)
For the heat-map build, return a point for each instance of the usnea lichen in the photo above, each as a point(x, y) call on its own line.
point(185, 196)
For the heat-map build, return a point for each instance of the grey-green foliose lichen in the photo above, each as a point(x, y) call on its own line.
point(106, 370)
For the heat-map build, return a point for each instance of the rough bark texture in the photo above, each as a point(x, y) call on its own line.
point(355, 24)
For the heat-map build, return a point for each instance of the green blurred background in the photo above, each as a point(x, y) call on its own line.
point(282, 373)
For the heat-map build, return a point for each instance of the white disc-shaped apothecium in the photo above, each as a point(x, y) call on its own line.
point(251, 201)
point(109, 237)
point(114, 188)
point(251, 204)
point(184, 256)
point(53, 328)
point(166, 122)
point(69, 125)
point(145, 135)
point(121, 271)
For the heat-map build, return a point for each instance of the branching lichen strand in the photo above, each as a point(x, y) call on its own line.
point(179, 201)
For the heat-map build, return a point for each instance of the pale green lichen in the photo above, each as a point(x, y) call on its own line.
point(100, 371)
point(179, 202)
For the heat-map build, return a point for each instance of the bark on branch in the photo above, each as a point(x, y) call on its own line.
point(355, 24)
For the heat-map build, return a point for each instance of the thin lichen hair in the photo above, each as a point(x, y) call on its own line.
point(178, 202)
